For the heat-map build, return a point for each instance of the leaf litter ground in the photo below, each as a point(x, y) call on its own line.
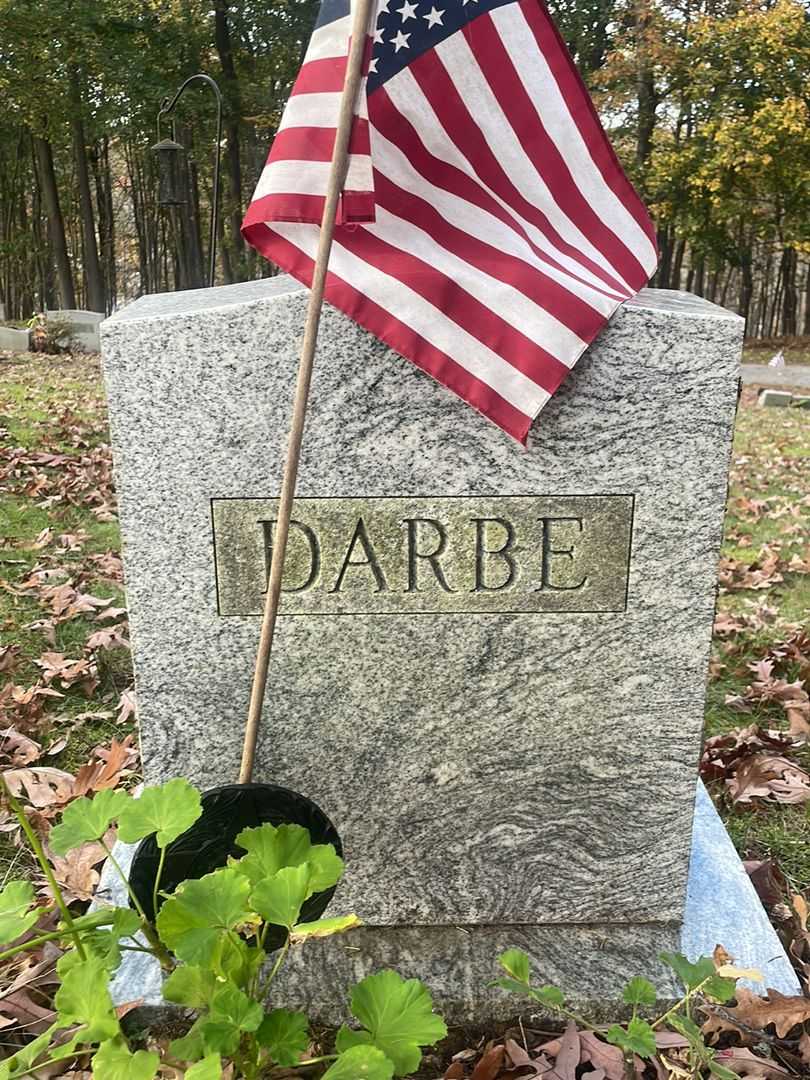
point(67, 706)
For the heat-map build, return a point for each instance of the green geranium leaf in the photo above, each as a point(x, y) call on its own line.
point(114, 1061)
point(87, 819)
point(398, 1017)
point(515, 963)
point(703, 970)
point(193, 920)
point(25, 1058)
point(323, 928)
point(278, 899)
point(549, 995)
point(326, 867)
point(83, 998)
point(720, 1071)
point(210, 1068)
point(230, 1005)
point(639, 991)
point(360, 1063)
point(689, 1029)
point(190, 1046)
point(270, 849)
point(286, 1035)
point(638, 1038)
point(15, 917)
point(167, 811)
point(220, 1032)
point(190, 985)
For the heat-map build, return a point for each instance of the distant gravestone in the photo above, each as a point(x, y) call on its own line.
point(491, 662)
point(780, 399)
point(14, 340)
point(83, 326)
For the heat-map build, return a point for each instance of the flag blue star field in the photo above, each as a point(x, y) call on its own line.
point(486, 230)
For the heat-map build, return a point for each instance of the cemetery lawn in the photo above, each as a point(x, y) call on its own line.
point(64, 659)
point(63, 630)
point(796, 350)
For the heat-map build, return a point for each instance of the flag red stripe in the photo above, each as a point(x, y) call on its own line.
point(397, 335)
point(497, 68)
point(441, 92)
point(570, 310)
point(316, 144)
point(550, 43)
point(321, 76)
point(386, 118)
point(446, 294)
point(355, 206)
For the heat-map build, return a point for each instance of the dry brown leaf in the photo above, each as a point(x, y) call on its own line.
point(9, 658)
point(781, 1011)
point(490, 1064)
point(742, 1061)
point(804, 1047)
point(454, 1071)
point(127, 707)
point(18, 749)
point(42, 785)
point(800, 907)
point(76, 873)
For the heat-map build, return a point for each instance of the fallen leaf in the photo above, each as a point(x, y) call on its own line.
point(800, 907)
point(742, 1061)
point(767, 879)
point(779, 1010)
point(490, 1064)
point(18, 749)
point(42, 785)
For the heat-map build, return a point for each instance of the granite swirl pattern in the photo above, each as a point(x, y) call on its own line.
point(482, 769)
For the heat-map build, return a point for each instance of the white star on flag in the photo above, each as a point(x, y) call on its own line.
point(378, 36)
point(407, 11)
point(434, 18)
point(400, 41)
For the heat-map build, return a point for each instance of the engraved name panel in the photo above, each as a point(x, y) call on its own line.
point(431, 554)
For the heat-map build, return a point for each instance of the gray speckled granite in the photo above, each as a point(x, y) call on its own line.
point(590, 962)
point(481, 769)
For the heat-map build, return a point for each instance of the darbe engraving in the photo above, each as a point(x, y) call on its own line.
point(428, 554)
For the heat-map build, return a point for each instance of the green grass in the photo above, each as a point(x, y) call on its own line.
point(56, 405)
point(771, 451)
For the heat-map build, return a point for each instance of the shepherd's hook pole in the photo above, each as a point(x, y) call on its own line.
point(337, 177)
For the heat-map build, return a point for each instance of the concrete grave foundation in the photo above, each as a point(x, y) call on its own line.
point(490, 666)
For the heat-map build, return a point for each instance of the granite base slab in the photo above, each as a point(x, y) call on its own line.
point(590, 963)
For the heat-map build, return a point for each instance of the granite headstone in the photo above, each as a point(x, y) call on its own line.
point(490, 666)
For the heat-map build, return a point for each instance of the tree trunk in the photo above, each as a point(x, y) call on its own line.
point(56, 223)
point(806, 327)
point(790, 299)
point(646, 95)
point(96, 299)
point(233, 110)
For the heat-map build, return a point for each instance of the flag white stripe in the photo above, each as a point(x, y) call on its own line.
point(535, 74)
point(462, 67)
point(310, 177)
point(471, 219)
point(427, 320)
point(406, 94)
point(330, 41)
point(317, 110)
point(504, 300)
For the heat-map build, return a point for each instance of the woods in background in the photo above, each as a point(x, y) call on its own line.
point(707, 103)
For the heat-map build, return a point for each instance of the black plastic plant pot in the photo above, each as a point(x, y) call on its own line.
point(226, 811)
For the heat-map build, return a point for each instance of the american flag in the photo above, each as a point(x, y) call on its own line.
point(486, 230)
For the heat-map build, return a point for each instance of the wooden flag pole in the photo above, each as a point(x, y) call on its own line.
point(337, 179)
